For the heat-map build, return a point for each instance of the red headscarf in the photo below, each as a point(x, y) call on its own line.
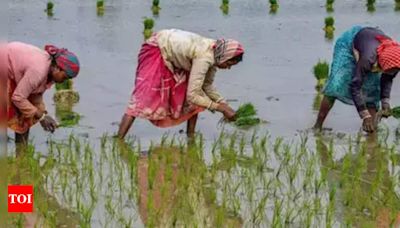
point(64, 59)
point(388, 53)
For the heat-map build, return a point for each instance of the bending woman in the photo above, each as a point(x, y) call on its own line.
point(365, 61)
point(30, 72)
point(174, 79)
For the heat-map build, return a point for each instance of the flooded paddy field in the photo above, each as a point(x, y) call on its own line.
point(278, 174)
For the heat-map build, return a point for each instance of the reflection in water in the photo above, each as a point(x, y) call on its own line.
point(366, 186)
point(65, 98)
point(317, 101)
point(249, 181)
point(174, 190)
point(66, 117)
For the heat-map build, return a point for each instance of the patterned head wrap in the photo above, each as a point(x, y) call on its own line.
point(225, 50)
point(388, 53)
point(65, 60)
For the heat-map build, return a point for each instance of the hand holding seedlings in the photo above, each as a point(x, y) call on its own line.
point(48, 123)
point(227, 111)
point(395, 112)
point(245, 116)
point(368, 125)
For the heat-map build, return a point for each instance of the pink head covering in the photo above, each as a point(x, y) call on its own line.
point(225, 50)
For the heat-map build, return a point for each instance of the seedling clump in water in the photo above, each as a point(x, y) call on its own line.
point(246, 116)
point(148, 27)
point(49, 8)
point(396, 112)
point(329, 27)
point(397, 5)
point(273, 6)
point(65, 92)
point(329, 5)
point(155, 8)
point(225, 7)
point(371, 5)
point(321, 71)
point(100, 7)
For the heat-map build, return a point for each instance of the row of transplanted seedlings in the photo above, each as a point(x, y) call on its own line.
point(370, 4)
point(249, 181)
point(100, 7)
point(224, 6)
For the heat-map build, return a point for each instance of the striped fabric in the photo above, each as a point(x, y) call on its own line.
point(65, 60)
point(388, 53)
point(225, 50)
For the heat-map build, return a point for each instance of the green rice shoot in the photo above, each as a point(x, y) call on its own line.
point(50, 6)
point(148, 23)
point(321, 70)
point(246, 116)
point(396, 112)
point(329, 21)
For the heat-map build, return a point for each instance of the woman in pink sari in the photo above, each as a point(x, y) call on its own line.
point(29, 72)
point(174, 79)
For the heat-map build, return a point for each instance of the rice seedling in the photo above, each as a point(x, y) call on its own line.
point(329, 5)
point(317, 101)
point(225, 7)
point(155, 8)
point(397, 5)
point(100, 7)
point(66, 117)
point(395, 112)
point(148, 27)
point(277, 220)
point(50, 8)
point(274, 6)
point(321, 72)
point(371, 5)
point(246, 116)
point(331, 206)
point(240, 179)
point(329, 27)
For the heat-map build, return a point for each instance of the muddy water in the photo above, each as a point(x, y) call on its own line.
point(276, 74)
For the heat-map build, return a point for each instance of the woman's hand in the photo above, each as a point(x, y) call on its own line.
point(386, 110)
point(227, 111)
point(368, 125)
point(48, 124)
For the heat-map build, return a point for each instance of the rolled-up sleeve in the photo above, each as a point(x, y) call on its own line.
point(195, 93)
point(24, 89)
point(209, 87)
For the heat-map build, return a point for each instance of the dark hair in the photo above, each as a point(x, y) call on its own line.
point(237, 58)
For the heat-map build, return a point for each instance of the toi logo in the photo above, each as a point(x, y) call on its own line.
point(20, 198)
